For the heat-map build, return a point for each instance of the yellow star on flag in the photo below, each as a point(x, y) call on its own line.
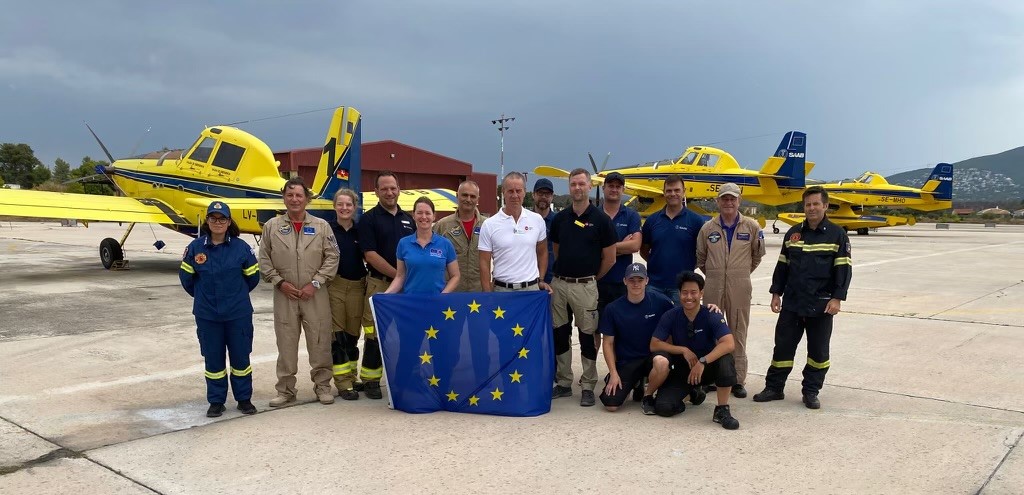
point(473, 400)
point(517, 330)
point(452, 396)
point(425, 358)
point(474, 307)
point(522, 352)
point(516, 375)
point(496, 394)
point(434, 380)
point(449, 314)
point(499, 313)
point(431, 332)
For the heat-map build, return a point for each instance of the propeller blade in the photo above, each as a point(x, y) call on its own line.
point(111, 158)
point(605, 162)
point(593, 164)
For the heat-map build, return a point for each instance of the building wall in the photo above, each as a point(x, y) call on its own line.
point(415, 168)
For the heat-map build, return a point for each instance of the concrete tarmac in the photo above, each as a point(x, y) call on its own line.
point(102, 391)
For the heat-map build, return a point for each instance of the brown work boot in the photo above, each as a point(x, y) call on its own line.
point(281, 400)
point(324, 395)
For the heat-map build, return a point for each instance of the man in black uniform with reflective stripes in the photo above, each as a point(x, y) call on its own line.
point(810, 281)
point(380, 228)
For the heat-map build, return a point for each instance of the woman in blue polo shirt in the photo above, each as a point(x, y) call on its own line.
point(424, 257)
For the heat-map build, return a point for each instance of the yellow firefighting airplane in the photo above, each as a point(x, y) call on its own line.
point(224, 164)
point(847, 200)
point(704, 169)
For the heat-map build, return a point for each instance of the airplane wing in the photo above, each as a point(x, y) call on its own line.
point(45, 204)
point(444, 200)
point(631, 188)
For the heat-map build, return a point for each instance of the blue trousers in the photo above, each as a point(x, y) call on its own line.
point(234, 336)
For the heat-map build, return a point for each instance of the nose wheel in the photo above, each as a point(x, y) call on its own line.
point(775, 228)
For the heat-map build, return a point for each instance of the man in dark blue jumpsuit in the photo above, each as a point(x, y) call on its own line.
point(810, 281)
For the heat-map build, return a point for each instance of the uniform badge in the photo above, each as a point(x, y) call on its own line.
point(456, 231)
point(795, 237)
point(714, 237)
point(849, 248)
point(307, 230)
point(185, 254)
point(287, 229)
point(743, 236)
point(200, 258)
point(476, 230)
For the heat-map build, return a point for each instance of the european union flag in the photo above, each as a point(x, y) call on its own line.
point(487, 353)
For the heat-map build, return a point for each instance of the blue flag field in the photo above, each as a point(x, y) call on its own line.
point(476, 352)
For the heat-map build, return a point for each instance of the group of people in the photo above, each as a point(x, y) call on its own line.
point(668, 334)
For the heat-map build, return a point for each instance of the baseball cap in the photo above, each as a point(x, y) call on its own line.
point(218, 207)
point(729, 189)
point(615, 176)
point(636, 270)
point(544, 184)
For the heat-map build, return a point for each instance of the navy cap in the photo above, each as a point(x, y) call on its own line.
point(636, 270)
point(544, 184)
point(218, 207)
point(615, 176)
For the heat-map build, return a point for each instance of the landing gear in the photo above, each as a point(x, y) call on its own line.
point(775, 229)
point(862, 231)
point(112, 253)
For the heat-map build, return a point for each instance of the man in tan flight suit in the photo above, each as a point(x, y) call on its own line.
point(729, 248)
point(299, 256)
point(463, 229)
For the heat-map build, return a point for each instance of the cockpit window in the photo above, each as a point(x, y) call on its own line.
point(228, 156)
point(203, 151)
point(689, 158)
point(707, 160)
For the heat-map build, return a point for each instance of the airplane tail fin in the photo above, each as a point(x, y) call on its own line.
point(940, 182)
point(788, 163)
point(340, 161)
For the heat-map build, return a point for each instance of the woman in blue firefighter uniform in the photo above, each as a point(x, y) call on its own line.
point(218, 271)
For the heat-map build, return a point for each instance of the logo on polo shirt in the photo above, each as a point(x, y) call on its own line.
point(682, 227)
point(437, 253)
point(648, 317)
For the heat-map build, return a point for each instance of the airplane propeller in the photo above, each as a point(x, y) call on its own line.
point(593, 165)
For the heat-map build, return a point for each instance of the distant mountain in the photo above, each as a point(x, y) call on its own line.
point(995, 177)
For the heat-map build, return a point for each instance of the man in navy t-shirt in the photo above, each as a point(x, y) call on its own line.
point(627, 325)
point(692, 347)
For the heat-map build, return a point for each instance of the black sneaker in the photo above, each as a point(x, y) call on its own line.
point(647, 405)
point(723, 417)
point(738, 391)
point(246, 407)
point(349, 394)
point(215, 410)
point(811, 401)
point(587, 398)
point(697, 396)
point(560, 391)
point(372, 390)
point(769, 394)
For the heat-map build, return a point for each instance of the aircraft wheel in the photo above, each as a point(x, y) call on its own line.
point(110, 252)
point(775, 229)
point(862, 231)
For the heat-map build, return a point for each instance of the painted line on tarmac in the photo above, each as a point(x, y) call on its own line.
point(131, 380)
point(916, 257)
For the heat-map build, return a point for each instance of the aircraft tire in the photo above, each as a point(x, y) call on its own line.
point(110, 252)
point(862, 231)
point(775, 229)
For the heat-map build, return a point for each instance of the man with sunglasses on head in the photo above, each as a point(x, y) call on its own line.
point(692, 346)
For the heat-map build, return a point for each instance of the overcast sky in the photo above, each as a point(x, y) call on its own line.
point(881, 85)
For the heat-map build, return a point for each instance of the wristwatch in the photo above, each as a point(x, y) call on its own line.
point(703, 360)
point(316, 285)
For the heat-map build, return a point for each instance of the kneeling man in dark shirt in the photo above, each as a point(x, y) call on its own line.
point(692, 347)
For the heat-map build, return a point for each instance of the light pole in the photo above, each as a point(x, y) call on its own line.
point(503, 124)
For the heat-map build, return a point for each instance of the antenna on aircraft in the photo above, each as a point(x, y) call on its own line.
point(105, 152)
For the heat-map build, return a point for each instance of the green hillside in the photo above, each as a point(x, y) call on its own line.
point(995, 177)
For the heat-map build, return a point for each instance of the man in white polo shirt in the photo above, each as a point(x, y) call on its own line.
point(515, 239)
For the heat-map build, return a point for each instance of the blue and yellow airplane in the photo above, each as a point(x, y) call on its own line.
point(847, 200)
point(224, 164)
point(704, 169)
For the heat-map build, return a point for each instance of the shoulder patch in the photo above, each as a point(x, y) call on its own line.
point(185, 254)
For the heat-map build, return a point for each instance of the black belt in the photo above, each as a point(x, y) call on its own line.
point(382, 277)
point(517, 285)
point(576, 280)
